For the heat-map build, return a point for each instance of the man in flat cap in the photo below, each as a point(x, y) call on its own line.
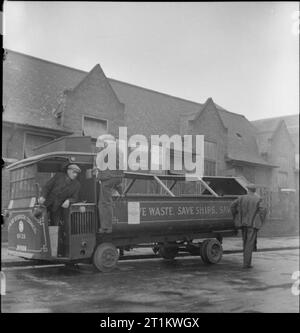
point(249, 215)
point(109, 175)
point(58, 193)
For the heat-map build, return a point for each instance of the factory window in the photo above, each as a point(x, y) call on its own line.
point(210, 168)
point(283, 162)
point(93, 126)
point(282, 179)
point(297, 162)
point(210, 158)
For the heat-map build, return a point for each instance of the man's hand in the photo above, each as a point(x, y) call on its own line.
point(95, 172)
point(41, 200)
point(66, 204)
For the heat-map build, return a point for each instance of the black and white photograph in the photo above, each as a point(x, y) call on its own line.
point(150, 160)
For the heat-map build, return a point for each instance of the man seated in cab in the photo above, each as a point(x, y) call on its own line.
point(58, 193)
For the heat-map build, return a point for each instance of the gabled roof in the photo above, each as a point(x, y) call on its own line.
point(96, 74)
point(150, 112)
point(33, 89)
point(242, 145)
point(270, 124)
point(37, 85)
point(209, 102)
point(266, 129)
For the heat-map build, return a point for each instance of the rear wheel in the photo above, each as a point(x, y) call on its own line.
point(211, 251)
point(168, 251)
point(105, 257)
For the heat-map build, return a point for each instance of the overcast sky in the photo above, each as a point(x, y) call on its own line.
point(243, 55)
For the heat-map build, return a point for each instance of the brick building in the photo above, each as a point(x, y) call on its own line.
point(278, 140)
point(44, 100)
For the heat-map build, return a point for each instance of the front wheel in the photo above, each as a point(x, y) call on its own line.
point(211, 251)
point(105, 257)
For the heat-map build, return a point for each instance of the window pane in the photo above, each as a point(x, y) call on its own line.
point(209, 168)
point(210, 150)
point(282, 179)
point(94, 127)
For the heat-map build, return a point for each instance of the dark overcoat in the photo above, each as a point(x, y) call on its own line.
point(248, 211)
point(58, 189)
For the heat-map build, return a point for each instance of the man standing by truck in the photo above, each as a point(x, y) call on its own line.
point(110, 179)
point(249, 215)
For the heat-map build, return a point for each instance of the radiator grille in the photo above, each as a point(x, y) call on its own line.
point(83, 223)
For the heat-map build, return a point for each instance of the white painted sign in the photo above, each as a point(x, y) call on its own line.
point(133, 212)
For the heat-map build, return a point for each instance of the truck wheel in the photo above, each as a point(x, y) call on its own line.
point(105, 257)
point(168, 251)
point(202, 252)
point(211, 251)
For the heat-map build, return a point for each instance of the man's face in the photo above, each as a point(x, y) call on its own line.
point(72, 174)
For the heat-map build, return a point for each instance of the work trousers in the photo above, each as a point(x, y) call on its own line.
point(105, 206)
point(59, 218)
point(249, 242)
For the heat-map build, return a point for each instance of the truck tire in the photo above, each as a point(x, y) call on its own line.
point(202, 252)
point(105, 257)
point(168, 251)
point(211, 251)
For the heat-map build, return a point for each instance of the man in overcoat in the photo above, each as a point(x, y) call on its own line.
point(110, 179)
point(57, 195)
point(249, 215)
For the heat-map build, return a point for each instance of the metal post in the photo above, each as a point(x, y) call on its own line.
point(164, 186)
point(174, 183)
point(207, 187)
point(128, 187)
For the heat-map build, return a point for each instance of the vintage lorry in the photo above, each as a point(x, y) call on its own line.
point(165, 218)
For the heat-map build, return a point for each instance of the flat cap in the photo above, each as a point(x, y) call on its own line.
point(74, 167)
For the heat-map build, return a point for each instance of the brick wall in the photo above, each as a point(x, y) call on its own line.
point(93, 97)
point(282, 153)
point(12, 142)
point(210, 125)
point(263, 176)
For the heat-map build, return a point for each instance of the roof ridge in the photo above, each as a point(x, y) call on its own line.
point(155, 91)
point(273, 118)
point(236, 114)
point(86, 72)
point(44, 60)
point(85, 77)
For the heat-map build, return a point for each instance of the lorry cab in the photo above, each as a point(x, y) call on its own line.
point(30, 231)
